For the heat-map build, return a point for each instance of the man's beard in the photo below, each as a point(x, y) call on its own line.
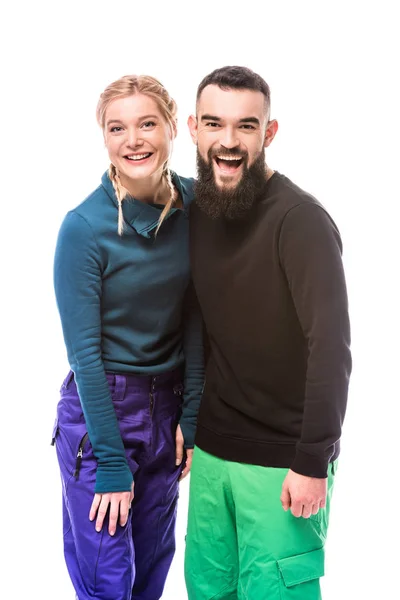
point(230, 203)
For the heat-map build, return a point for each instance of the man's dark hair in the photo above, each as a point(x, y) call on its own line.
point(236, 78)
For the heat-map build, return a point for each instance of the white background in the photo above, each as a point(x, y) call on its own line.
point(333, 73)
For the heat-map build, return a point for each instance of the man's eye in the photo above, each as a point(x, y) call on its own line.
point(247, 126)
point(212, 124)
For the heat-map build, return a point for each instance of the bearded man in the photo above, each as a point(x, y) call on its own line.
point(267, 268)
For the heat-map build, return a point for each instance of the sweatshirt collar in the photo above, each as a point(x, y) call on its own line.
point(143, 217)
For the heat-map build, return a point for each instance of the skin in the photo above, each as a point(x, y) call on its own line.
point(180, 453)
point(231, 119)
point(120, 502)
point(135, 127)
point(304, 496)
point(238, 119)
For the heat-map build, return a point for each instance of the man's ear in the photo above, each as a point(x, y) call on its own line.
point(192, 124)
point(270, 132)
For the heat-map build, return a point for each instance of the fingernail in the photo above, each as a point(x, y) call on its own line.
point(98, 528)
point(177, 462)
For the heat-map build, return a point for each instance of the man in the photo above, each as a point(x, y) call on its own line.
point(267, 268)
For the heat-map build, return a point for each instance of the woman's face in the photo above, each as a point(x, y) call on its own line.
point(137, 137)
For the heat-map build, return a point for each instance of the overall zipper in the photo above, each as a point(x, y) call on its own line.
point(79, 455)
point(151, 395)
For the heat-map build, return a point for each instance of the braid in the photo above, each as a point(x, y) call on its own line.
point(172, 198)
point(120, 193)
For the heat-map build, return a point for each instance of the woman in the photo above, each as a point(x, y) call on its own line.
point(132, 331)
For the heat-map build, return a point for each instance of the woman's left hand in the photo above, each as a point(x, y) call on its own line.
point(179, 441)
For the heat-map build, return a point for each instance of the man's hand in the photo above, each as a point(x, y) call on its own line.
point(179, 441)
point(303, 495)
point(119, 502)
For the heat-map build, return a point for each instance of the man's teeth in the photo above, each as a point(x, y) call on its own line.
point(138, 156)
point(229, 157)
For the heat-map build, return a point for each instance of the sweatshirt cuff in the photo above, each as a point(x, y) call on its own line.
point(189, 432)
point(116, 481)
point(309, 465)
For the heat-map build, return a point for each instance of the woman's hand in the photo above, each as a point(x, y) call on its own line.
point(179, 441)
point(119, 502)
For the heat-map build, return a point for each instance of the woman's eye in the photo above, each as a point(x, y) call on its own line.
point(115, 129)
point(148, 124)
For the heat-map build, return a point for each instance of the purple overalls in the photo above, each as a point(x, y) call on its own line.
point(133, 564)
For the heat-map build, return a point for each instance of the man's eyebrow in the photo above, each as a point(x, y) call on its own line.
point(210, 118)
point(250, 120)
point(218, 119)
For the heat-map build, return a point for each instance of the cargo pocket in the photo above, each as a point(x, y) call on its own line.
point(70, 445)
point(79, 455)
point(299, 575)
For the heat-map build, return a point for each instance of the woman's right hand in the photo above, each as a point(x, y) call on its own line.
point(119, 502)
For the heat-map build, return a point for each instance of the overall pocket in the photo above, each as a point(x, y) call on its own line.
point(300, 574)
point(70, 445)
point(79, 455)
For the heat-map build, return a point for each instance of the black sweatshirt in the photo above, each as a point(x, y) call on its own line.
point(273, 296)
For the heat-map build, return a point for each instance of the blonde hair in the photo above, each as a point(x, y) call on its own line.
point(123, 87)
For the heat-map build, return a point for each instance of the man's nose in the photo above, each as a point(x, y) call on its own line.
point(229, 138)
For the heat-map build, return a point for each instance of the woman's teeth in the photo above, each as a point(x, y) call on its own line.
point(138, 156)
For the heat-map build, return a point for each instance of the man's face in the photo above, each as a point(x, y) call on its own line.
point(231, 130)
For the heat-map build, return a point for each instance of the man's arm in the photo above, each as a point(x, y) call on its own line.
point(194, 376)
point(311, 256)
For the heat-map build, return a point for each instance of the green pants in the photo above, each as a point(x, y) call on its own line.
point(241, 544)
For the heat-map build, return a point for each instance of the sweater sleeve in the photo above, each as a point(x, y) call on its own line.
point(78, 288)
point(194, 365)
point(310, 252)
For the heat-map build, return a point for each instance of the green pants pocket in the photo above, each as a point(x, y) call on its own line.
point(300, 575)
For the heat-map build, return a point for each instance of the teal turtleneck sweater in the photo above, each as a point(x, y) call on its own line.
point(127, 306)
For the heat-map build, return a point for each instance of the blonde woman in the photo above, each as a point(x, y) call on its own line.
point(126, 419)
